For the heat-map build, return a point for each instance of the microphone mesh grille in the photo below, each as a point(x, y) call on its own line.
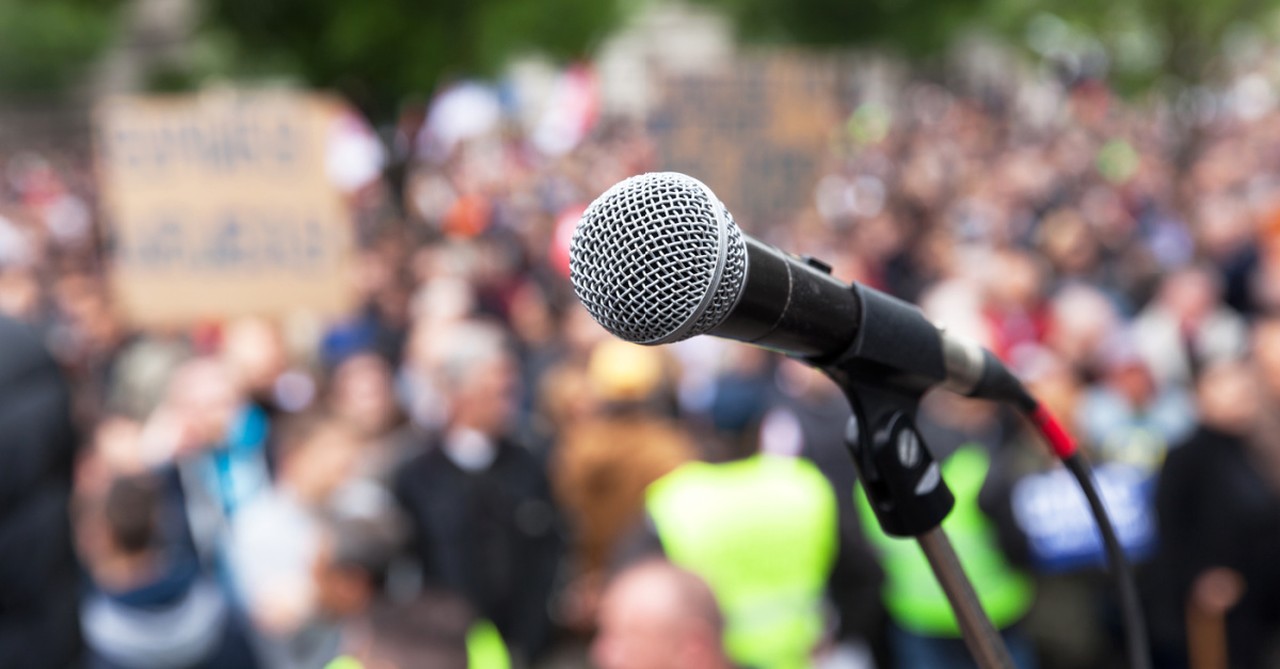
point(648, 253)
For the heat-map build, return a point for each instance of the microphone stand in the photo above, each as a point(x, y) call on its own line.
point(984, 642)
point(904, 485)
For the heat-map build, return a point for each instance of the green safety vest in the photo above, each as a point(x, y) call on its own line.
point(762, 533)
point(485, 650)
point(912, 594)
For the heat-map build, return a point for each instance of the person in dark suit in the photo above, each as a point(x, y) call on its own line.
point(1219, 519)
point(480, 507)
point(38, 572)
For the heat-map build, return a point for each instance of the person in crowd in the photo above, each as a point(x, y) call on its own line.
point(1187, 327)
point(808, 419)
point(255, 355)
point(276, 539)
point(1219, 524)
point(1013, 307)
point(763, 531)
point(150, 603)
point(388, 625)
point(605, 461)
point(353, 566)
point(85, 337)
point(740, 394)
point(140, 375)
point(362, 394)
point(38, 572)
point(1083, 322)
point(20, 294)
point(655, 615)
point(566, 397)
point(210, 444)
point(429, 631)
point(535, 312)
point(1265, 352)
point(1128, 417)
point(483, 522)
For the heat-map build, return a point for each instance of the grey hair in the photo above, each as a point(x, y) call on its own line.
point(459, 349)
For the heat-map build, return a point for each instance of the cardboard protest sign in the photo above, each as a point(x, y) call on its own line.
point(219, 205)
point(756, 133)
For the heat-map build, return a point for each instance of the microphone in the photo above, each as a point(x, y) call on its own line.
point(657, 258)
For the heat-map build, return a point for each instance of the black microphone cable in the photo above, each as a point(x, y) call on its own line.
point(996, 382)
point(1063, 446)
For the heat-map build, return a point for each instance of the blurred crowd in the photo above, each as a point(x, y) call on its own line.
point(456, 474)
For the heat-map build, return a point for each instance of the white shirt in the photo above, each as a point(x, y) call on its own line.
point(275, 541)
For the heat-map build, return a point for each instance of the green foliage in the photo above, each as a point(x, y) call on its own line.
point(380, 52)
point(46, 44)
point(1165, 43)
point(914, 26)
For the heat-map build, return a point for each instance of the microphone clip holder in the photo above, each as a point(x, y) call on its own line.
point(897, 470)
point(904, 484)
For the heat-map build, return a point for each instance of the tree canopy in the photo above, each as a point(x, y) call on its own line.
point(1135, 43)
point(45, 45)
point(381, 52)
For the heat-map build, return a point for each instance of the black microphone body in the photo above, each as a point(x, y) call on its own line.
point(794, 306)
point(657, 259)
point(781, 295)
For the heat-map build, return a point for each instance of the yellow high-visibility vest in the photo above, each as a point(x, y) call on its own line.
point(762, 532)
point(485, 650)
point(912, 595)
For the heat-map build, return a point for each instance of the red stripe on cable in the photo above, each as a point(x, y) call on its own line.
point(1061, 443)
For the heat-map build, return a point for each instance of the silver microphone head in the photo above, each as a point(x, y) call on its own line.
point(657, 259)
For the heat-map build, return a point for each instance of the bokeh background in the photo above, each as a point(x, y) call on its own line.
point(304, 265)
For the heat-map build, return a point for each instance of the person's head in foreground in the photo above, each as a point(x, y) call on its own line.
point(655, 615)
